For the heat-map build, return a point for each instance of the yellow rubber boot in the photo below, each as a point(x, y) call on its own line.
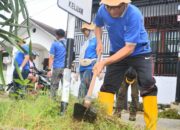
point(107, 99)
point(150, 112)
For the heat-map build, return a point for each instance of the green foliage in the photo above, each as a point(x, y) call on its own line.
point(170, 113)
point(1, 69)
point(42, 113)
point(10, 10)
point(25, 82)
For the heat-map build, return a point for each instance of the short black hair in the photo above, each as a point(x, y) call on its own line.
point(60, 32)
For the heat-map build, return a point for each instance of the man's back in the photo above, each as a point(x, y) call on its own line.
point(58, 50)
point(20, 56)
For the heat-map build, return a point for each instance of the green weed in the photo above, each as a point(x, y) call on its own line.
point(42, 113)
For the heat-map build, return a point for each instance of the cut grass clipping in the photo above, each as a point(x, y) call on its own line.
point(170, 114)
point(41, 113)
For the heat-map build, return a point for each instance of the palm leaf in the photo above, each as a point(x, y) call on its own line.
point(11, 41)
point(8, 21)
point(18, 71)
point(5, 2)
point(14, 15)
point(30, 47)
point(26, 81)
point(19, 81)
point(11, 35)
point(17, 15)
point(12, 24)
point(3, 17)
point(13, 8)
point(7, 49)
point(1, 68)
point(11, 27)
point(4, 7)
point(25, 11)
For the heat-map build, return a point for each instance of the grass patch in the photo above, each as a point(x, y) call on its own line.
point(41, 113)
point(170, 114)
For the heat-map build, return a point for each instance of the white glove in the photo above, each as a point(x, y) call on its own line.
point(20, 68)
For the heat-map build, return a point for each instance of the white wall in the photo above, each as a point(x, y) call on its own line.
point(42, 38)
point(10, 68)
point(43, 53)
point(39, 37)
point(166, 89)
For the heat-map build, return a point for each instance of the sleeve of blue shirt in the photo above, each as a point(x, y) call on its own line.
point(98, 19)
point(133, 27)
point(26, 48)
point(52, 49)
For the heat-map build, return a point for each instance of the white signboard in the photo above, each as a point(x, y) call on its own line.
point(178, 18)
point(178, 7)
point(79, 8)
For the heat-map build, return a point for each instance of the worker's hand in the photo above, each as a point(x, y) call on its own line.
point(49, 74)
point(87, 101)
point(20, 68)
point(98, 67)
point(99, 48)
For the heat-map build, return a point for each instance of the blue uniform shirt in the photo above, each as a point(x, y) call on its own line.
point(58, 50)
point(127, 28)
point(20, 57)
point(90, 54)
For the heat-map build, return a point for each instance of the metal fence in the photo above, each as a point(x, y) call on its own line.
point(164, 44)
point(160, 19)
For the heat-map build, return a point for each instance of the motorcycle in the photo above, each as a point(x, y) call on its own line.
point(43, 84)
point(43, 81)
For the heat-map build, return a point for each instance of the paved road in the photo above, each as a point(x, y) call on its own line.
point(163, 124)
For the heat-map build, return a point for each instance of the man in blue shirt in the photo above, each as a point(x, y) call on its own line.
point(22, 61)
point(129, 46)
point(57, 61)
point(87, 58)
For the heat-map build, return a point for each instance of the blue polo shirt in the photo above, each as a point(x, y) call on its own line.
point(90, 54)
point(58, 50)
point(127, 28)
point(19, 57)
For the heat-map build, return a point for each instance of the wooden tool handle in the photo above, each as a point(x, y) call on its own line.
point(92, 84)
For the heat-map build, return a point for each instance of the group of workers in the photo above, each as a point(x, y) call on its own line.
point(129, 64)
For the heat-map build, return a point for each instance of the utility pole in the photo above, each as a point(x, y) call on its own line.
point(178, 77)
point(69, 58)
point(177, 99)
point(83, 10)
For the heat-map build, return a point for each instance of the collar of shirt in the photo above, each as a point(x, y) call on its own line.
point(125, 10)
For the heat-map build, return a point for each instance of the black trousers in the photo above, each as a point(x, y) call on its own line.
point(143, 64)
point(122, 97)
